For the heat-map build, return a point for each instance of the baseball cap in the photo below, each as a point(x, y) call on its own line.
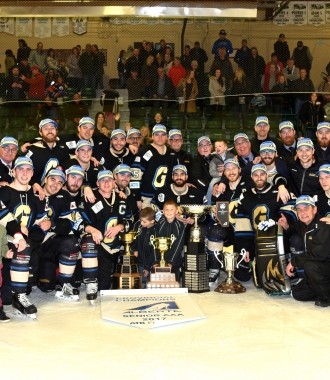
point(8, 140)
point(47, 121)
point(231, 161)
point(262, 120)
point(104, 174)
point(325, 168)
point(267, 146)
point(174, 132)
point(257, 167)
point(122, 169)
point(241, 136)
point(304, 200)
point(159, 128)
point(117, 132)
point(82, 143)
point(282, 35)
point(180, 167)
point(20, 161)
point(305, 142)
point(75, 170)
point(222, 31)
point(132, 131)
point(56, 173)
point(285, 124)
point(86, 120)
point(323, 124)
point(206, 138)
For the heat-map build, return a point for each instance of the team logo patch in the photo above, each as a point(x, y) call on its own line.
point(161, 197)
point(73, 205)
point(97, 207)
point(71, 144)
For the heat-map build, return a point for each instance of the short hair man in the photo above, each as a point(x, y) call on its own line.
point(287, 133)
point(8, 152)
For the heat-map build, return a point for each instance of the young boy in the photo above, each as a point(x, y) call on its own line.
point(141, 246)
point(216, 168)
point(167, 226)
point(8, 254)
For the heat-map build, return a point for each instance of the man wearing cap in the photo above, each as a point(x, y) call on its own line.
point(47, 153)
point(55, 239)
point(134, 138)
point(18, 210)
point(303, 169)
point(118, 152)
point(178, 190)
point(288, 144)
point(243, 149)
point(261, 129)
point(322, 198)
point(315, 260)
point(175, 141)
point(302, 56)
point(153, 166)
point(104, 220)
point(256, 205)
point(222, 41)
point(281, 49)
point(322, 147)
point(86, 131)
point(8, 152)
point(200, 165)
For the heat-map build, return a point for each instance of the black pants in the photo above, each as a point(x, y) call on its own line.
point(316, 284)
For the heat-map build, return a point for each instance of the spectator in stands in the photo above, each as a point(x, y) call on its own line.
point(148, 72)
point(198, 54)
point(303, 86)
point(76, 110)
point(50, 77)
point(88, 63)
point(134, 63)
point(145, 135)
point(24, 67)
point(187, 91)
point(222, 42)
point(10, 61)
point(202, 84)
point(281, 49)
point(23, 50)
point(99, 121)
point(146, 50)
point(37, 84)
point(99, 69)
point(159, 60)
point(311, 114)
point(280, 102)
point(38, 57)
point(242, 56)
point(51, 110)
point(324, 89)
point(269, 79)
point(177, 72)
point(75, 75)
point(302, 56)
point(291, 72)
point(58, 89)
point(256, 65)
point(168, 62)
point(186, 57)
point(161, 47)
point(135, 88)
point(51, 61)
point(109, 101)
point(121, 68)
point(240, 87)
point(162, 90)
point(158, 119)
point(217, 88)
point(222, 62)
point(274, 60)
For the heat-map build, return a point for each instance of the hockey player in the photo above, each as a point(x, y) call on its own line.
point(118, 152)
point(153, 165)
point(257, 205)
point(19, 207)
point(104, 220)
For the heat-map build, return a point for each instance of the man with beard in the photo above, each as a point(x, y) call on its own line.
point(74, 180)
point(322, 149)
point(47, 153)
point(256, 205)
point(8, 151)
point(261, 129)
point(178, 190)
point(322, 198)
point(118, 153)
point(288, 144)
point(86, 131)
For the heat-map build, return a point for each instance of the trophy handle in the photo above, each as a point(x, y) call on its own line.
point(216, 255)
point(152, 239)
point(243, 253)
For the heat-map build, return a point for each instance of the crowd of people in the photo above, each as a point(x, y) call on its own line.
point(75, 194)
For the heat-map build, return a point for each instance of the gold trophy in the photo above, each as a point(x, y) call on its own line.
point(230, 285)
point(127, 275)
point(162, 278)
point(196, 211)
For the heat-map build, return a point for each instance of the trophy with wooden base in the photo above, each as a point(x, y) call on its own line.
point(127, 275)
point(230, 263)
point(162, 278)
point(196, 211)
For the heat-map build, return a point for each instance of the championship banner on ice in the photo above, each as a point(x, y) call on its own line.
point(148, 309)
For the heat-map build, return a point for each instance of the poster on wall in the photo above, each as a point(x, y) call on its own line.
point(42, 27)
point(7, 25)
point(316, 12)
point(23, 27)
point(79, 25)
point(298, 13)
point(60, 26)
point(284, 17)
point(327, 11)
